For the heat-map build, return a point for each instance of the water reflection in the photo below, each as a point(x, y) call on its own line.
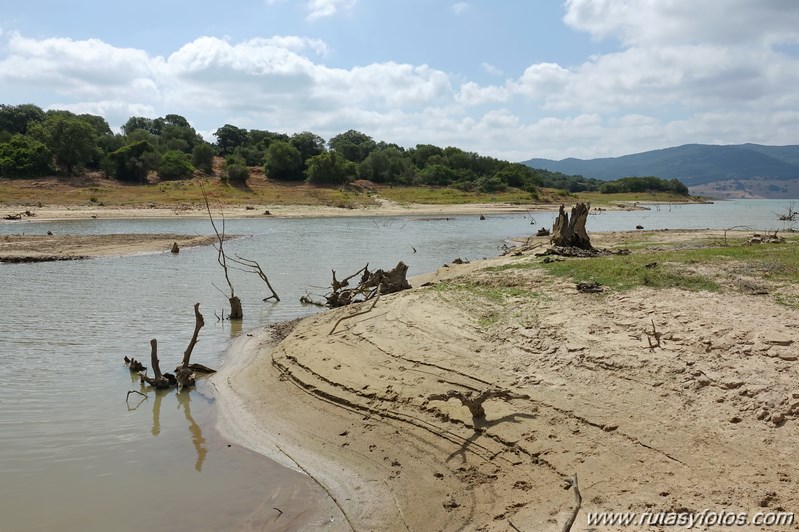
point(183, 403)
point(184, 400)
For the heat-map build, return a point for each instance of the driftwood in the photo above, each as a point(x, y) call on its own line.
point(475, 404)
point(768, 238)
point(370, 284)
point(570, 231)
point(159, 381)
point(175, 248)
point(19, 215)
point(590, 288)
point(578, 499)
point(134, 365)
point(654, 334)
point(183, 373)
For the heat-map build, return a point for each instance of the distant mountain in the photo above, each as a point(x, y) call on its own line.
point(693, 164)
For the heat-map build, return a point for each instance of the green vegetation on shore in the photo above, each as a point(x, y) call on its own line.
point(711, 266)
point(35, 143)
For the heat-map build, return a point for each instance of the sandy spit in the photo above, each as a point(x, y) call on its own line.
point(42, 247)
point(709, 420)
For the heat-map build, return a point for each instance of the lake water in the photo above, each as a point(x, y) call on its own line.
point(75, 455)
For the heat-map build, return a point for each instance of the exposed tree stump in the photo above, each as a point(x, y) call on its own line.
point(235, 309)
point(570, 231)
point(175, 248)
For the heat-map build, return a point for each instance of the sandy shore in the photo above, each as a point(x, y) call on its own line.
point(707, 420)
point(384, 208)
point(39, 248)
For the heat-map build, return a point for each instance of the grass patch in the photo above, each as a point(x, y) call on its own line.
point(597, 198)
point(492, 293)
point(452, 196)
point(675, 268)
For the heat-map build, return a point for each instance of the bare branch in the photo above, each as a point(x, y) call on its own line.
point(374, 302)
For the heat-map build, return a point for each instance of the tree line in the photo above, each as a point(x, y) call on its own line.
point(35, 143)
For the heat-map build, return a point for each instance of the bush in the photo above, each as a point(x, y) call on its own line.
point(236, 171)
point(24, 157)
point(202, 158)
point(175, 165)
point(330, 167)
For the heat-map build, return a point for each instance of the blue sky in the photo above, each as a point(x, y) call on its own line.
point(509, 78)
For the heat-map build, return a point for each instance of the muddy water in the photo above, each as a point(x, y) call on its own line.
point(76, 455)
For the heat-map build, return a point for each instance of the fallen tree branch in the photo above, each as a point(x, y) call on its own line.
point(654, 334)
point(134, 391)
point(374, 302)
point(475, 404)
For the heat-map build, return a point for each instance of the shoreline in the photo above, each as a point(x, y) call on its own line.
point(351, 408)
point(50, 213)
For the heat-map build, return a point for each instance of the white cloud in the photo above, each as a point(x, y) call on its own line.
point(325, 8)
point(491, 69)
point(648, 22)
point(659, 88)
point(460, 7)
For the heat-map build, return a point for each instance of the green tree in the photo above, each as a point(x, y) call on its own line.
point(23, 156)
point(437, 175)
point(71, 140)
point(330, 167)
point(283, 162)
point(138, 123)
point(202, 157)
point(388, 165)
point(176, 133)
point(175, 165)
point(423, 152)
point(134, 161)
point(515, 175)
point(229, 137)
point(308, 144)
point(353, 145)
point(17, 118)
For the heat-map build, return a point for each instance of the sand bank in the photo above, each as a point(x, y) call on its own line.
point(707, 420)
point(39, 248)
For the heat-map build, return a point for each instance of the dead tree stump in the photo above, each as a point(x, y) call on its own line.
point(570, 231)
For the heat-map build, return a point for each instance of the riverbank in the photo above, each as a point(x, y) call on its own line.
point(706, 419)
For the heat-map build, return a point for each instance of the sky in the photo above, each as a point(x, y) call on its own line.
point(513, 79)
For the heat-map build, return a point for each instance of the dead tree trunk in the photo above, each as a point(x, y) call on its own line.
point(184, 374)
point(235, 303)
point(570, 232)
point(159, 381)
